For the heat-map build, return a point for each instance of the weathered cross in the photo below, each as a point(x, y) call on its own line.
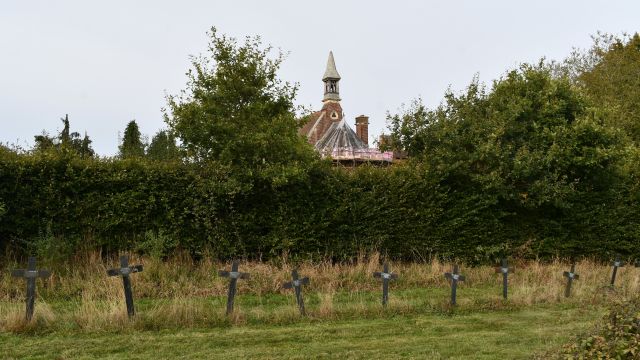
point(30, 274)
point(454, 277)
point(125, 270)
point(504, 269)
point(616, 264)
point(296, 284)
point(570, 275)
point(386, 276)
point(233, 276)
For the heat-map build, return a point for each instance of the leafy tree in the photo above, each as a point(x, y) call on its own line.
point(236, 112)
point(531, 156)
point(608, 73)
point(44, 142)
point(407, 128)
point(532, 140)
point(163, 147)
point(65, 142)
point(132, 145)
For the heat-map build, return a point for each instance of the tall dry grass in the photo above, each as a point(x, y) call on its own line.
point(178, 292)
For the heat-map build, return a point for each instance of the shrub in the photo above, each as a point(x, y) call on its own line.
point(617, 338)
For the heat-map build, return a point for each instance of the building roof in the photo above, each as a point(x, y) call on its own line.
point(331, 72)
point(318, 123)
point(340, 137)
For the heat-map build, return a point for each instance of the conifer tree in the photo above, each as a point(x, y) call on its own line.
point(132, 145)
point(163, 147)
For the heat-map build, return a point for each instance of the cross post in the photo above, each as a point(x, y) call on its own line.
point(30, 275)
point(125, 270)
point(454, 277)
point(504, 269)
point(386, 276)
point(616, 264)
point(570, 275)
point(233, 276)
point(296, 284)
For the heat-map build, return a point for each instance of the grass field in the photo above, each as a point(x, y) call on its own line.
point(505, 334)
point(80, 313)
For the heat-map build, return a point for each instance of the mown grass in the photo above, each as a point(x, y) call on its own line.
point(506, 334)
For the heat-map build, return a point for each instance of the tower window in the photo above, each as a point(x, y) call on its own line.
point(331, 86)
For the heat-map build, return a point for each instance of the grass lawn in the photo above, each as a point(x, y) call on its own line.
point(504, 334)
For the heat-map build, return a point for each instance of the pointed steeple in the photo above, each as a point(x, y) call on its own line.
point(331, 78)
point(331, 72)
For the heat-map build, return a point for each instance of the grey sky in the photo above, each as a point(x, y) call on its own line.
point(105, 63)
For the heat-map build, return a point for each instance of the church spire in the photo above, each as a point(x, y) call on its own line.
point(331, 79)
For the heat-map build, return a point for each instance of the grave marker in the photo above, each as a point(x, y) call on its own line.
point(454, 277)
point(296, 284)
point(504, 269)
point(233, 276)
point(125, 270)
point(616, 264)
point(570, 275)
point(386, 276)
point(30, 275)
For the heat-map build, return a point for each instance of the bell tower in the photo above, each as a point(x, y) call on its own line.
point(331, 79)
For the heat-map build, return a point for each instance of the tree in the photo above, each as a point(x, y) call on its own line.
point(236, 112)
point(163, 147)
point(66, 142)
point(531, 156)
point(132, 145)
point(532, 140)
point(608, 73)
point(85, 147)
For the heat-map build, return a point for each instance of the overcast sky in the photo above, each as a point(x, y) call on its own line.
point(106, 63)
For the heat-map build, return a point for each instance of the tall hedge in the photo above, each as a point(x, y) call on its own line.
point(57, 205)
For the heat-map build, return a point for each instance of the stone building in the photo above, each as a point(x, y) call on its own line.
point(332, 136)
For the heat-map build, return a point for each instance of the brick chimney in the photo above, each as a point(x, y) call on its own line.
point(362, 128)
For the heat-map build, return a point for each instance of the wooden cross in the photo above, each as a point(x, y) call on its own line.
point(30, 274)
point(233, 276)
point(504, 269)
point(125, 270)
point(454, 277)
point(296, 284)
point(570, 275)
point(616, 264)
point(386, 276)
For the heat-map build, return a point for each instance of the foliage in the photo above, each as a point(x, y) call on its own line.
point(163, 147)
point(132, 145)
point(237, 113)
point(532, 150)
point(65, 142)
point(407, 212)
point(618, 337)
point(608, 74)
point(407, 128)
point(533, 167)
